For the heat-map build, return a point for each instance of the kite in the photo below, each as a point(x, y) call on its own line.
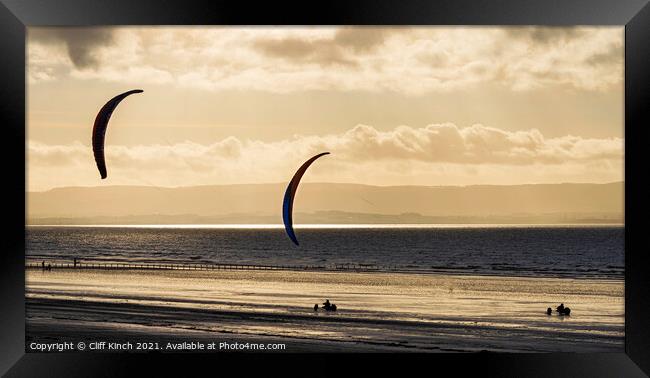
point(100, 126)
point(290, 193)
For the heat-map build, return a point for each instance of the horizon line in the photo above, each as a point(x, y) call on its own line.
point(321, 182)
point(335, 225)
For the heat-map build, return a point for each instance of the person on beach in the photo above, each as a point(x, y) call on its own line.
point(316, 307)
point(549, 311)
point(49, 267)
point(43, 264)
point(560, 308)
point(75, 262)
point(329, 306)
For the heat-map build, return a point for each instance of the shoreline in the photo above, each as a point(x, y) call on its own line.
point(377, 312)
point(442, 334)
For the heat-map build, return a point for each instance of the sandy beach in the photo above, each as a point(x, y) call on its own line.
point(376, 311)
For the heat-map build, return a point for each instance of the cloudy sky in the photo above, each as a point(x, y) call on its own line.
point(395, 106)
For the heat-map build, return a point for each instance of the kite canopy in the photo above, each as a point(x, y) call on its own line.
point(100, 126)
point(290, 193)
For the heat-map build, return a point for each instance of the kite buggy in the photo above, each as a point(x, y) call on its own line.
point(327, 306)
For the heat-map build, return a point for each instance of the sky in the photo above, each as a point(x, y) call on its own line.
point(394, 106)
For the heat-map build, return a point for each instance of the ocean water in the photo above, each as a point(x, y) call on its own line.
point(554, 251)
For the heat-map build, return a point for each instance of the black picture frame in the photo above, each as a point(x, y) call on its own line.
point(17, 15)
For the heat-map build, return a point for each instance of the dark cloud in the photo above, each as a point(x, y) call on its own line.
point(80, 43)
point(326, 51)
point(545, 35)
point(614, 55)
point(290, 48)
point(299, 50)
point(361, 39)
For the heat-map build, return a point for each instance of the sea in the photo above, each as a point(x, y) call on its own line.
point(549, 250)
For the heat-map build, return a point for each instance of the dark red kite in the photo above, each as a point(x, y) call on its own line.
point(100, 126)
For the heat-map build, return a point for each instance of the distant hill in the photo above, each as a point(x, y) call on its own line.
point(330, 203)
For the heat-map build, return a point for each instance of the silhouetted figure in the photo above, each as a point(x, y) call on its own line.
point(560, 308)
point(549, 311)
point(75, 262)
point(43, 264)
point(49, 267)
point(329, 306)
point(567, 311)
point(316, 307)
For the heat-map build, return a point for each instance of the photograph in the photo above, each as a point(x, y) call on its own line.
point(339, 189)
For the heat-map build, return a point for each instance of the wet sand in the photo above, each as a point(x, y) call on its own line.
point(377, 311)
